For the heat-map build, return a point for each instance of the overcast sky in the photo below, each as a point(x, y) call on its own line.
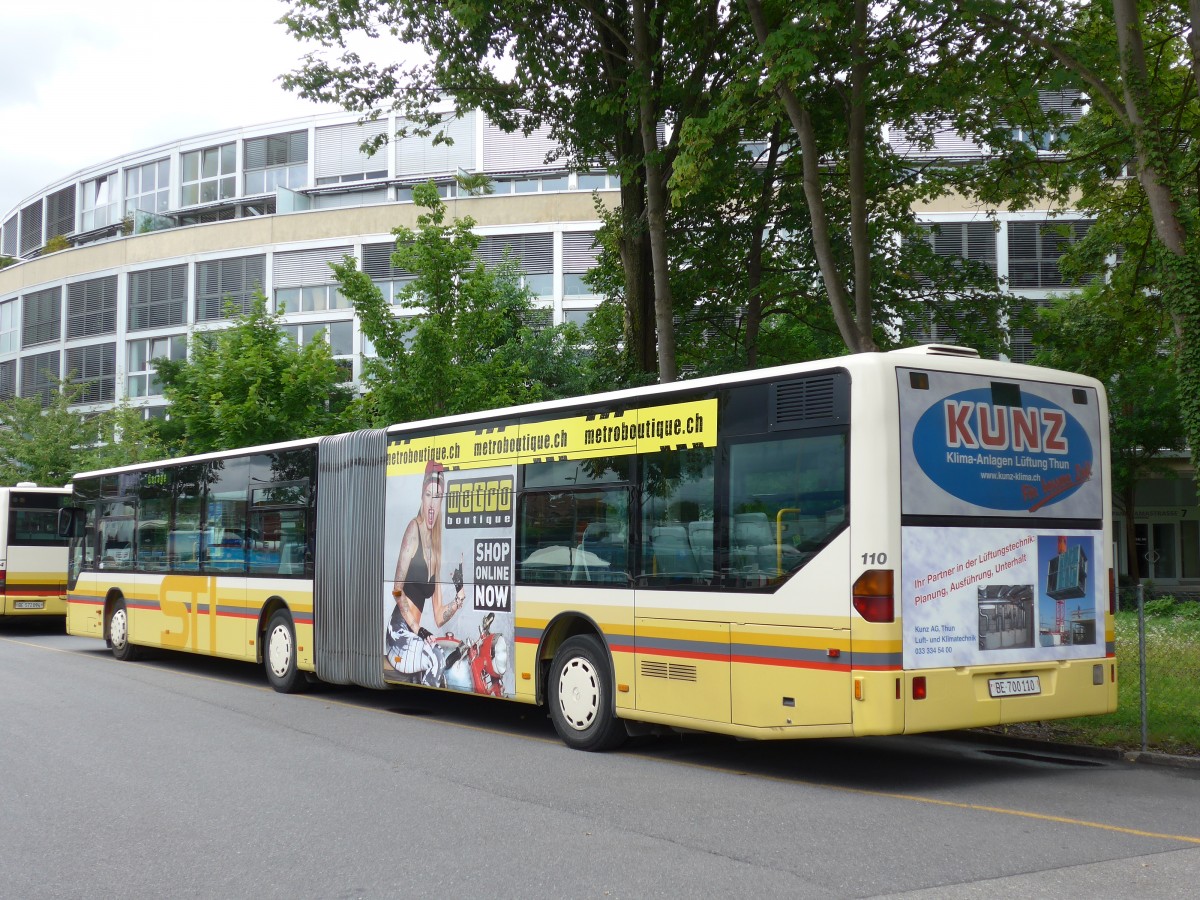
point(83, 81)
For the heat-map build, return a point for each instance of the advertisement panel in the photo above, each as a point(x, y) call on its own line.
point(982, 596)
point(450, 541)
point(988, 449)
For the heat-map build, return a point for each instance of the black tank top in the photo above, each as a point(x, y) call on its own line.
point(418, 585)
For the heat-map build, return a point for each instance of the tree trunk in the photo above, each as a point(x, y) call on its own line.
point(656, 191)
point(857, 338)
point(754, 262)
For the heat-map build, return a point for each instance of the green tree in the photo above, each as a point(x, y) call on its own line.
point(1123, 338)
point(50, 445)
point(1139, 64)
point(470, 342)
point(250, 384)
point(609, 79)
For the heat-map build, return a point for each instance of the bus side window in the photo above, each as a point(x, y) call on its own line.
point(787, 500)
point(678, 501)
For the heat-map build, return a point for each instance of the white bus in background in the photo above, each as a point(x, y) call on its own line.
point(33, 557)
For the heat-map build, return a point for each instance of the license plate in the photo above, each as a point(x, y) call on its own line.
point(29, 604)
point(1014, 687)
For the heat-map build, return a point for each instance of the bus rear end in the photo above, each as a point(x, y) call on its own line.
point(1005, 587)
point(33, 558)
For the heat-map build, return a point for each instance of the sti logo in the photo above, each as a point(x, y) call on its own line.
point(998, 457)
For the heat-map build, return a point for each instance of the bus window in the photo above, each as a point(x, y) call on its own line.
point(678, 494)
point(183, 543)
point(224, 540)
point(154, 514)
point(116, 535)
point(574, 537)
point(33, 521)
point(787, 500)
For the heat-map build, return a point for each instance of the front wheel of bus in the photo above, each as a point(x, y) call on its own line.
point(581, 698)
point(279, 656)
point(118, 633)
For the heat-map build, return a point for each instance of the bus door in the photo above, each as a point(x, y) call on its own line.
point(787, 554)
point(681, 647)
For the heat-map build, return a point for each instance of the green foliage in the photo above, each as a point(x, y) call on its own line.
point(6, 261)
point(1120, 334)
point(55, 244)
point(250, 384)
point(49, 446)
point(469, 341)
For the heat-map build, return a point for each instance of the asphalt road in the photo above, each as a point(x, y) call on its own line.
point(187, 777)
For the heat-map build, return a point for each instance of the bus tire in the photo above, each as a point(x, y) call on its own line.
point(118, 632)
point(581, 696)
point(279, 654)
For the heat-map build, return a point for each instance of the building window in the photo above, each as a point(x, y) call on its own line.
point(209, 175)
point(99, 202)
point(320, 298)
point(302, 280)
point(975, 241)
point(577, 317)
point(92, 307)
point(94, 368)
point(1034, 251)
point(8, 379)
point(222, 282)
point(41, 317)
point(533, 253)
point(141, 379)
point(593, 181)
point(8, 244)
point(339, 336)
point(158, 298)
point(377, 265)
point(31, 228)
point(339, 155)
point(148, 187)
point(280, 160)
point(9, 339)
point(40, 375)
point(578, 258)
point(60, 213)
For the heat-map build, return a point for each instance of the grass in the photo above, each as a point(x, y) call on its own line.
point(1172, 682)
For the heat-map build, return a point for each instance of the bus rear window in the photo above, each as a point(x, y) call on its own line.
point(33, 521)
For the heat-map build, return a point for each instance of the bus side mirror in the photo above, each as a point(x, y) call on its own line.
point(70, 522)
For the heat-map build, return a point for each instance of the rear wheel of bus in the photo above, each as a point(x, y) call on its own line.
point(581, 696)
point(279, 654)
point(118, 632)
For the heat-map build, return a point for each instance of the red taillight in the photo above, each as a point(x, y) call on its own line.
point(919, 687)
point(1112, 592)
point(873, 595)
point(3, 581)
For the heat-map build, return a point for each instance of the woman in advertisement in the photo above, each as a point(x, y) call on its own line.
point(411, 648)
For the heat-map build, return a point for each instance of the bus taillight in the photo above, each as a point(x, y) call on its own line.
point(3, 581)
point(874, 597)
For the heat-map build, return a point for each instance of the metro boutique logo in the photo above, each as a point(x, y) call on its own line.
point(480, 502)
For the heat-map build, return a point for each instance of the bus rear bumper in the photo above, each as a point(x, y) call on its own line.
point(967, 698)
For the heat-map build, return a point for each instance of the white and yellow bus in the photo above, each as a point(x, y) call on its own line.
point(876, 544)
point(33, 556)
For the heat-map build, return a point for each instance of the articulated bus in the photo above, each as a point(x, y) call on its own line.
point(33, 556)
point(877, 544)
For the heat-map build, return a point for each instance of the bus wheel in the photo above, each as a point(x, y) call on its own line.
point(279, 656)
point(118, 633)
point(581, 701)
